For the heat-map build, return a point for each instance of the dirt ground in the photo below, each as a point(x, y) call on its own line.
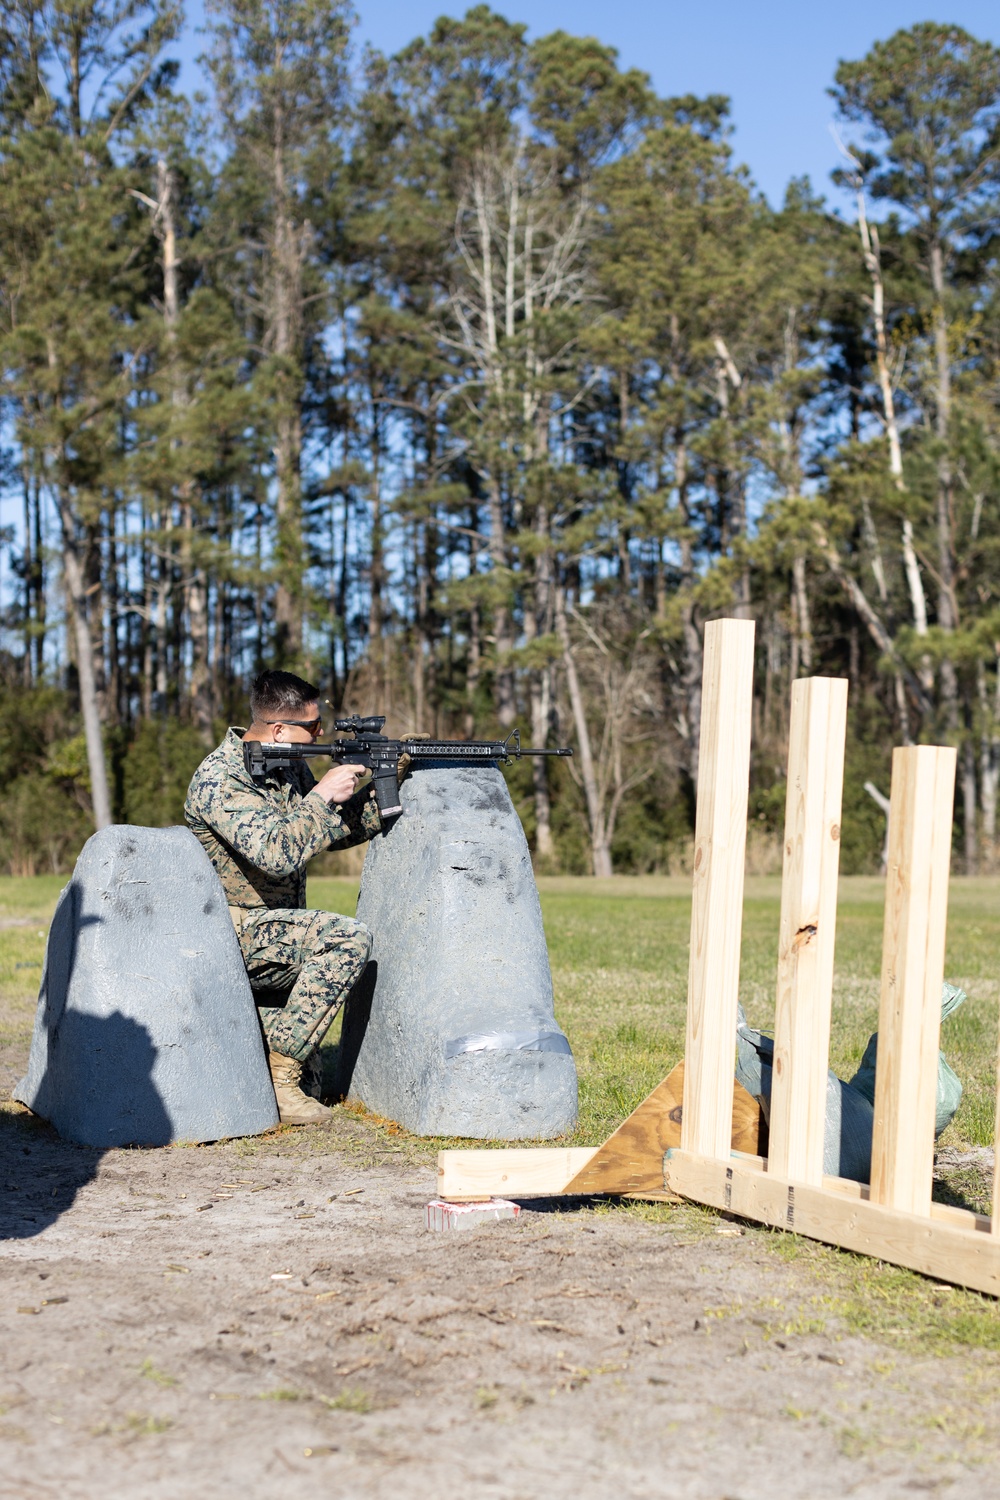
point(271, 1318)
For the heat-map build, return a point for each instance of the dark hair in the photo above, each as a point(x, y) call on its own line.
point(275, 693)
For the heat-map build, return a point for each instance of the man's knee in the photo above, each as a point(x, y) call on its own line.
point(344, 935)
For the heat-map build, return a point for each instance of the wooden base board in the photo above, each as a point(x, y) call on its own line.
point(513, 1172)
point(629, 1163)
point(952, 1245)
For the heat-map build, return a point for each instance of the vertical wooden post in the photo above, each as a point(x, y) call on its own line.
point(808, 925)
point(717, 896)
point(909, 1019)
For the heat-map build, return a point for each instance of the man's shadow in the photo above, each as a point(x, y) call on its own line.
point(91, 1077)
point(40, 1175)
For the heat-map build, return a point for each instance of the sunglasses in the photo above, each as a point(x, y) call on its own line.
point(314, 726)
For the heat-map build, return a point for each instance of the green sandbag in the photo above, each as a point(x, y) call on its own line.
point(949, 1087)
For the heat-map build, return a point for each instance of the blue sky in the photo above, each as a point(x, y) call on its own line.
point(775, 59)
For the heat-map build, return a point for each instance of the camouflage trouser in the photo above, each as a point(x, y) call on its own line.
point(301, 966)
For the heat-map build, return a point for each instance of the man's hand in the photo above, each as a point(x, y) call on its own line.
point(339, 783)
point(406, 761)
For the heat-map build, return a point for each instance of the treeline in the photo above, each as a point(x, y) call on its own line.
point(470, 382)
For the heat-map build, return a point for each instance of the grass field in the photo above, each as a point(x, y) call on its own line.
point(619, 963)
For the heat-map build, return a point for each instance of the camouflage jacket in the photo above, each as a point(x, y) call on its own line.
point(261, 835)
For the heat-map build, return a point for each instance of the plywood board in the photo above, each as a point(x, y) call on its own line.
point(631, 1159)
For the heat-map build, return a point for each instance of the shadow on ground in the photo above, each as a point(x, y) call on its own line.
point(40, 1175)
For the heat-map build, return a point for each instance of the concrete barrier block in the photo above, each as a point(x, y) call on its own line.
point(451, 1030)
point(146, 1030)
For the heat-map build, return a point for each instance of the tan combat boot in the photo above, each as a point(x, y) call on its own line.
point(294, 1107)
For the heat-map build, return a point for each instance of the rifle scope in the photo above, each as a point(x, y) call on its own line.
point(354, 725)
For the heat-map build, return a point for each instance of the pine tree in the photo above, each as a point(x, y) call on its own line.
point(71, 329)
point(280, 73)
point(929, 98)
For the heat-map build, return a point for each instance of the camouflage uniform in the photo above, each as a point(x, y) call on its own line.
point(260, 837)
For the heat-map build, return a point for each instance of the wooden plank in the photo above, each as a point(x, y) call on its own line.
point(947, 1213)
point(807, 932)
point(916, 908)
point(717, 896)
point(966, 1256)
point(961, 1218)
point(846, 1187)
point(514, 1172)
point(631, 1159)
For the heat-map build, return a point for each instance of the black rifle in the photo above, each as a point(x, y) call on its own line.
point(370, 747)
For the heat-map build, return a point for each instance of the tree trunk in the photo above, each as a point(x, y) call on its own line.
point(284, 316)
point(219, 669)
point(89, 706)
point(146, 634)
point(423, 656)
point(692, 671)
point(538, 622)
point(871, 250)
point(163, 581)
point(376, 572)
point(599, 842)
point(878, 573)
point(947, 606)
point(39, 584)
point(114, 712)
point(541, 698)
point(989, 763)
point(196, 591)
point(28, 566)
point(93, 583)
point(343, 577)
point(803, 623)
point(194, 582)
point(772, 667)
point(288, 548)
point(418, 681)
point(971, 839)
point(730, 489)
point(426, 560)
point(876, 628)
point(472, 671)
point(503, 679)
